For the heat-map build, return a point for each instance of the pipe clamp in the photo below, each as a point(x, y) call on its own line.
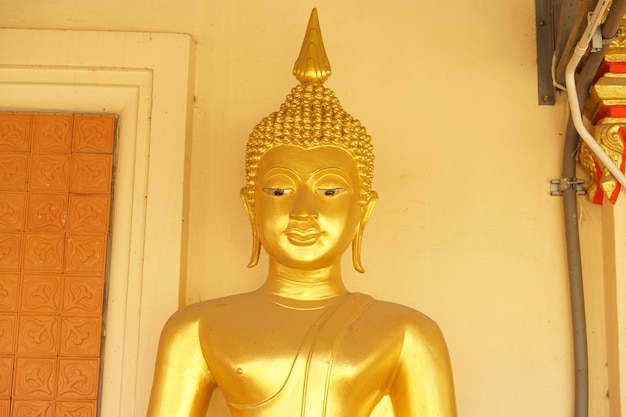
point(558, 186)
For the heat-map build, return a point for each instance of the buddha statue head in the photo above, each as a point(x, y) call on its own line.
point(310, 145)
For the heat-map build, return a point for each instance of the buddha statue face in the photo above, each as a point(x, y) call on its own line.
point(307, 206)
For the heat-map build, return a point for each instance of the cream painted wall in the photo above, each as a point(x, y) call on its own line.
point(465, 229)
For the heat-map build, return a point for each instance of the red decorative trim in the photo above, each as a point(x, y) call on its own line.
point(610, 67)
point(616, 111)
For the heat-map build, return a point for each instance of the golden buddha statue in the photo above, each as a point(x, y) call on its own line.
point(302, 345)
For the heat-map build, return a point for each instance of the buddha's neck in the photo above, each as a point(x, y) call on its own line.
point(297, 284)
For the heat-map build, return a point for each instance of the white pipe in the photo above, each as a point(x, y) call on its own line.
point(572, 95)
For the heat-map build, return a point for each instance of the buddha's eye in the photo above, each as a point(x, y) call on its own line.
point(278, 191)
point(329, 192)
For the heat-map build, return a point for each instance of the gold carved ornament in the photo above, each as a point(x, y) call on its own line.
point(606, 109)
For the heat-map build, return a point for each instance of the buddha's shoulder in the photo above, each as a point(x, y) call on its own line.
point(193, 313)
point(398, 317)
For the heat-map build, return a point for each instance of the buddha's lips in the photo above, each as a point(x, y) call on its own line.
point(303, 237)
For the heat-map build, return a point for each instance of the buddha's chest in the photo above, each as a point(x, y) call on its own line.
point(295, 354)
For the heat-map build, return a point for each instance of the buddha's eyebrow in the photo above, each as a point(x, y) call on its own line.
point(279, 170)
point(331, 170)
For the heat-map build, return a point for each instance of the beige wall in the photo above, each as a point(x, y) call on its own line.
point(465, 229)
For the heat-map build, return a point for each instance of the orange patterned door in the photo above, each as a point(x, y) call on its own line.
point(55, 193)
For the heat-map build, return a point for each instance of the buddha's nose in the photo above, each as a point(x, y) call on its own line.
point(303, 206)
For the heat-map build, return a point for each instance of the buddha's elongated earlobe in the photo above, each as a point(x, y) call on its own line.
point(256, 249)
point(366, 212)
point(356, 250)
point(256, 242)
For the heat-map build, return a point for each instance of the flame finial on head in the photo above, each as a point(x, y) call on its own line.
point(312, 65)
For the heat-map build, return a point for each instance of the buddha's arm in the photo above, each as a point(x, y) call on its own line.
point(423, 384)
point(182, 384)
